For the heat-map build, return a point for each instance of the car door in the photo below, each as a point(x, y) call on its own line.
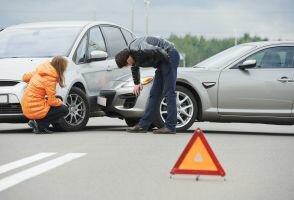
point(95, 73)
point(116, 41)
point(265, 90)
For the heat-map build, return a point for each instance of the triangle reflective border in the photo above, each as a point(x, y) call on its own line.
point(198, 158)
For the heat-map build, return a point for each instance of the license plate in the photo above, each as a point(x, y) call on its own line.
point(3, 98)
point(102, 101)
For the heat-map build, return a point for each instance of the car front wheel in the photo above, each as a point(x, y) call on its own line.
point(78, 115)
point(186, 109)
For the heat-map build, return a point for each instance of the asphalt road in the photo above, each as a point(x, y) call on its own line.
point(104, 162)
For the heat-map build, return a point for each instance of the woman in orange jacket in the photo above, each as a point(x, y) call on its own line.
point(39, 103)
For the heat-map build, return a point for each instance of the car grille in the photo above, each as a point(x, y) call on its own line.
point(14, 108)
point(8, 83)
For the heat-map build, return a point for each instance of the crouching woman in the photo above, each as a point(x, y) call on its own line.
point(39, 102)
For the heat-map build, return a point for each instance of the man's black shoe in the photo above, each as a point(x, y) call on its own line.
point(164, 130)
point(137, 129)
point(33, 124)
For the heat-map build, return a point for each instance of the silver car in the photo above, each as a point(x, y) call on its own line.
point(251, 82)
point(89, 47)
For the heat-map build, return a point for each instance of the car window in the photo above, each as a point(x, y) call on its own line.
point(275, 57)
point(96, 41)
point(37, 42)
point(115, 39)
point(81, 53)
point(225, 57)
point(128, 35)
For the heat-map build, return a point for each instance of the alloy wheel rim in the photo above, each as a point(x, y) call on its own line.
point(185, 109)
point(77, 110)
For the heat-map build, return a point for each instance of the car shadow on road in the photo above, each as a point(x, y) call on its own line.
point(239, 132)
point(111, 128)
point(124, 128)
point(86, 129)
point(108, 128)
point(17, 131)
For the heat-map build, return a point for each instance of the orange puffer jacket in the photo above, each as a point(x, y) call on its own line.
point(41, 83)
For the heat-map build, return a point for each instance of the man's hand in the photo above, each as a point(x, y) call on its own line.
point(137, 89)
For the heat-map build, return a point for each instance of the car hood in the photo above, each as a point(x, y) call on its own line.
point(185, 70)
point(151, 72)
point(14, 68)
point(189, 69)
point(196, 74)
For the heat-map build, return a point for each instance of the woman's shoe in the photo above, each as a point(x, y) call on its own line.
point(44, 131)
point(33, 124)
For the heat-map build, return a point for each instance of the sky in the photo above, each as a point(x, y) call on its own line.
point(272, 19)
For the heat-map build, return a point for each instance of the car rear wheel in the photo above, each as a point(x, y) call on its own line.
point(78, 115)
point(186, 110)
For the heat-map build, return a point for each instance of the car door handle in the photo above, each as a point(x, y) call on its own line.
point(109, 69)
point(285, 79)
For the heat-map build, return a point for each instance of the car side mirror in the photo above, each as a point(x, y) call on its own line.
point(247, 64)
point(97, 56)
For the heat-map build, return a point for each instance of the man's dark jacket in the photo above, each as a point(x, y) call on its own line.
point(148, 52)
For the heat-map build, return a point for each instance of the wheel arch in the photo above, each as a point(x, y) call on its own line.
point(79, 85)
point(196, 95)
point(90, 101)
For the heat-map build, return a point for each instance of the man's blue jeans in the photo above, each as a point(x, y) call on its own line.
point(164, 85)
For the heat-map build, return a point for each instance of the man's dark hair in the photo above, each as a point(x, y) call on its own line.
point(121, 58)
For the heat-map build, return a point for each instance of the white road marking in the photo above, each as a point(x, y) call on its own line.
point(24, 161)
point(37, 170)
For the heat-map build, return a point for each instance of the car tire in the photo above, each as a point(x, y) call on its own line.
point(185, 117)
point(79, 112)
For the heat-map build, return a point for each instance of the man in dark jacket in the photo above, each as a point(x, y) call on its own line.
point(160, 54)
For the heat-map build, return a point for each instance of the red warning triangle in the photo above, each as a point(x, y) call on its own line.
point(198, 158)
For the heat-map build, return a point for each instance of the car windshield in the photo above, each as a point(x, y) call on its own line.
point(37, 42)
point(225, 57)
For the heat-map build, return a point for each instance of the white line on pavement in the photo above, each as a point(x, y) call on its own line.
point(24, 161)
point(37, 170)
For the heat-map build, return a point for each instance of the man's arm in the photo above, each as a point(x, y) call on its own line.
point(136, 78)
point(136, 74)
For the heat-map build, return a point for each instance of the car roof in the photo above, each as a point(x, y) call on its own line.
point(268, 43)
point(52, 24)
